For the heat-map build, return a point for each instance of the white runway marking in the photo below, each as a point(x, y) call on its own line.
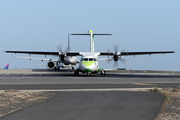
point(106, 89)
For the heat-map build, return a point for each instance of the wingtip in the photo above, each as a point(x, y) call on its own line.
point(174, 51)
point(4, 51)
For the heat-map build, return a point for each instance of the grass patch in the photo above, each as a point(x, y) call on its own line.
point(155, 89)
point(174, 90)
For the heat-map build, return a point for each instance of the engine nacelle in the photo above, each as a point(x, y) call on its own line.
point(51, 65)
point(63, 57)
point(115, 57)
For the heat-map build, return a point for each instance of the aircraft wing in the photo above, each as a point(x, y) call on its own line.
point(134, 53)
point(42, 59)
point(34, 52)
point(44, 53)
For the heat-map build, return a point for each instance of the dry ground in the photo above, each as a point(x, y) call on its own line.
point(11, 100)
point(171, 107)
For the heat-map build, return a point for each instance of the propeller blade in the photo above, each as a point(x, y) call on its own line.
point(108, 50)
point(115, 64)
point(59, 48)
point(116, 47)
point(66, 50)
point(124, 61)
point(108, 60)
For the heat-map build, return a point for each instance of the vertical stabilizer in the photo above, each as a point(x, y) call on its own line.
point(7, 66)
point(90, 32)
point(92, 40)
point(68, 43)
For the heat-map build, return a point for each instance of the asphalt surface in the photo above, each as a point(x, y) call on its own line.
point(94, 106)
point(71, 82)
point(90, 105)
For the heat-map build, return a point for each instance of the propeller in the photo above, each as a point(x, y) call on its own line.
point(115, 57)
point(110, 59)
point(63, 54)
point(59, 48)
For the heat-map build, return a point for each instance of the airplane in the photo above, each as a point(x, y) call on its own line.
point(7, 66)
point(89, 63)
point(63, 61)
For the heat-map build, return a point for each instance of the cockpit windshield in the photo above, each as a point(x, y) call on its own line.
point(88, 59)
point(85, 59)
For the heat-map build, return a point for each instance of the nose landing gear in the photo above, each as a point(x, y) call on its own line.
point(88, 73)
point(103, 73)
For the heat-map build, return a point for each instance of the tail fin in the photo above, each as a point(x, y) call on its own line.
point(68, 43)
point(90, 32)
point(92, 40)
point(7, 66)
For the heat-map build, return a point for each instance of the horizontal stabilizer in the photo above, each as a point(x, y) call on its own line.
point(90, 34)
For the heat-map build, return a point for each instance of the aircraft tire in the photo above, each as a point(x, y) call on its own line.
point(75, 72)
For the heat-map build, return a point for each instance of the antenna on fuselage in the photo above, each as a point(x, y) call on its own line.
point(90, 32)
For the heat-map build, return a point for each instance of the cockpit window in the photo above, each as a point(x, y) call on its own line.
point(85, 59)
point(90, 59)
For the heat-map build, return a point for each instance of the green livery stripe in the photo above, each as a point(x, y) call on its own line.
point(88, 70)
point(88, 63)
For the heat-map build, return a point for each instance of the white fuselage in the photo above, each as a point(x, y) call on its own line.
point(70, 60)
point(89, 63)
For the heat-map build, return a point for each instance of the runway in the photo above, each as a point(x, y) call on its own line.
point(84, 82)
point(86, 105)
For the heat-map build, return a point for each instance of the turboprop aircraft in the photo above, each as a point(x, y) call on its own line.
point(89, 63)
point(64, 61)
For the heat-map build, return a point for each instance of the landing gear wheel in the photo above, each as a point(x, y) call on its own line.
point(75, 72)
point(72, 68)
point(88, 73)
point(103, 73)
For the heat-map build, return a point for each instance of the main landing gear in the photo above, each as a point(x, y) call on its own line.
point(71, 69)
point(103, 73)
point(76, 72)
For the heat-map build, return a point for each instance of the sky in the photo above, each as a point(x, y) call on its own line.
point(136, 25)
